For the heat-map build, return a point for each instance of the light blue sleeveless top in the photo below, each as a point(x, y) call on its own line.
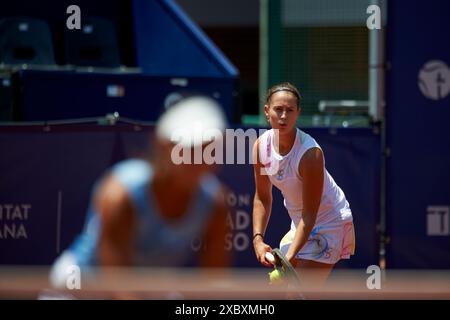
point(156, 242)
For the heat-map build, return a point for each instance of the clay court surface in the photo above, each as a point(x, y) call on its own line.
point(167, 284)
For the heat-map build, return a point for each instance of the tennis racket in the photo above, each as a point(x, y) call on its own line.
point(279, 262)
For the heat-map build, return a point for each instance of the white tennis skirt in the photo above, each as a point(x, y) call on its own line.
point(327, 243)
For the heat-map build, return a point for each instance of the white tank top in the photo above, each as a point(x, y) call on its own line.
point(284, 174)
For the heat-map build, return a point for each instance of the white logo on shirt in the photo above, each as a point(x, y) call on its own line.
point(280, 174)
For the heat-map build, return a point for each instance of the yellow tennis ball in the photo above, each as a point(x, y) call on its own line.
point(276, 276)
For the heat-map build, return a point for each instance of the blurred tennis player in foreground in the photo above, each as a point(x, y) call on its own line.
point(151, 213)
point(322, 230)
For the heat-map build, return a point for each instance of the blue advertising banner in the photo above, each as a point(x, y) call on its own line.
point(417, 113)
point(47, 173)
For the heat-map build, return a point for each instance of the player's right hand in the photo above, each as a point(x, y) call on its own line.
point(260, 250)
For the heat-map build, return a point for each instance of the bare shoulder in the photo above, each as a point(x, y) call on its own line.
point(255, 152)
point(313, 158)
point(313, 154)
point(256, 144)
point(111, 198)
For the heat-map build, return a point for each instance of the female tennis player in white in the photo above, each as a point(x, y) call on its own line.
point(322, 230)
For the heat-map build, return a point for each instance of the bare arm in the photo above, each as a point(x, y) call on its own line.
point(262, 207)
point(311, 170)
point(117, 224)
point(215, 254)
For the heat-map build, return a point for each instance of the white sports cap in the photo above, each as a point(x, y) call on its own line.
point(192, 122)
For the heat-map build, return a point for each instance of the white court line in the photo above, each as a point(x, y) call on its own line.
point(58, 222)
